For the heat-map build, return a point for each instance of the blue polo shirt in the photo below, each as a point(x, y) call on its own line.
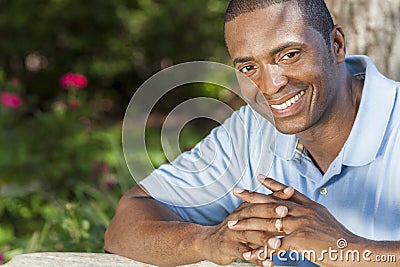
point(361, 188)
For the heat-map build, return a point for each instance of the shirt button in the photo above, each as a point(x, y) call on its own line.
point(323, 191)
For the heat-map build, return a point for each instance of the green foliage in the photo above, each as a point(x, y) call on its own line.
point(61, 174)
point(55, 148)
point(41, 222)
point(117, 44)
point(61, 165)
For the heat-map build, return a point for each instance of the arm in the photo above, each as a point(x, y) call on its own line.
point(147, 231)
point(309, 228)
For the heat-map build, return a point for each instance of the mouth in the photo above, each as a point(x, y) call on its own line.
point(288, 103)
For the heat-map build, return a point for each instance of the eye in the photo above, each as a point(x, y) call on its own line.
point(290, 55)
point(247, 69)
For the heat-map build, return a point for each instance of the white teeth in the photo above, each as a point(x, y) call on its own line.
point(288, 103)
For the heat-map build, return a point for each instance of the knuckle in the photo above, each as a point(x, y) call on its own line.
point(268, 226)
point(302, 235)
point(250, 211)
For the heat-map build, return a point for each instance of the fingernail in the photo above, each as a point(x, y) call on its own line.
point(281, 211)
point(267, 263)
point(247, 255)
point(238, 190)
point(274, 243)
point(288, 190)
point(231, 223)
point(261, 177)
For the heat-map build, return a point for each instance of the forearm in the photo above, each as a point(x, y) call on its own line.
point(159, 243)
point(159, 237)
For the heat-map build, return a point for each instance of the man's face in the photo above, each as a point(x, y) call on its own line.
point(294, 70)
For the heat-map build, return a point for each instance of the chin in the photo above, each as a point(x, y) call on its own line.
point(290, 129)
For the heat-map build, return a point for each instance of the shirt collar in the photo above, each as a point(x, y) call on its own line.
point(370, 125)
point(376, 106)
point(285, 147)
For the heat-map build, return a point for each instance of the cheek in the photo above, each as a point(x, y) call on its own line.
point(256, 100)
point(248, 88)
point(249, 93)
point(253, 96)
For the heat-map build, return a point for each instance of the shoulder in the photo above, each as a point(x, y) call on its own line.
point(252, 119)
point(245, 123)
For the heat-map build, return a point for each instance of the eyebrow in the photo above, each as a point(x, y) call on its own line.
point(285, 46)
point(271, 53)
point(242, 60)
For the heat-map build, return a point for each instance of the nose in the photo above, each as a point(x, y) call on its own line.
point(272, 80)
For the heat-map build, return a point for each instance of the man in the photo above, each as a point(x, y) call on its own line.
point(338, 146)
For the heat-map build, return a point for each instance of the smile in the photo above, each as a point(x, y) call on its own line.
point(288, 103)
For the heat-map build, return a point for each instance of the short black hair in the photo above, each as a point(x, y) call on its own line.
point(314, 12)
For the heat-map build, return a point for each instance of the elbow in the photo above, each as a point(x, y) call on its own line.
point(110, 241)
point(120, 234)
point(113, 236)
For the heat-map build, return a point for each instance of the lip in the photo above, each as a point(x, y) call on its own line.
point(290, 109)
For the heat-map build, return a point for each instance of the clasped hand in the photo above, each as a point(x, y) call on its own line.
point(250, 231)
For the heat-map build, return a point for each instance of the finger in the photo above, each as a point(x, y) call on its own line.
point(282, 207)
point(252, 197)
point(290, 242)
point(267, 263)
point(262, 210)
point(257, 224)
point(286, 193)
point(240, 249)
point(258, 198)
point(270, 183)
point(253, 238)
point(233, 250)
point(282, 190)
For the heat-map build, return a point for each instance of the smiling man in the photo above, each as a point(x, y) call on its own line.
point(338, 146)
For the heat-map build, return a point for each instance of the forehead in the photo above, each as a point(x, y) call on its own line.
point(265, 29)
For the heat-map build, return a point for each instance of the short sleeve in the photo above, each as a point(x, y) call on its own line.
point(198, 184)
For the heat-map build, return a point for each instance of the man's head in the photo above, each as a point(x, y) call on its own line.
point(314, 13)
point(293, 53)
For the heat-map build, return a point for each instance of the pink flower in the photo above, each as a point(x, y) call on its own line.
point(72, 81)
point(10, 100)
point(2, 259)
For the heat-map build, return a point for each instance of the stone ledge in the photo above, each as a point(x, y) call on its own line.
point(72, 259)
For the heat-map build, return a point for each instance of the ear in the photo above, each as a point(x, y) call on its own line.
point(338, 44)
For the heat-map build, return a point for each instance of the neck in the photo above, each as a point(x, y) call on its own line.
point(325, 140)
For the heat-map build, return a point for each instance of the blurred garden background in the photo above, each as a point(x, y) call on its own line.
point(68, 69)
